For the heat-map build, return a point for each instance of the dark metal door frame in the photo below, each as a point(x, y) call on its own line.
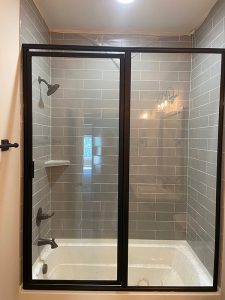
point(28, 165)
point(124, 54)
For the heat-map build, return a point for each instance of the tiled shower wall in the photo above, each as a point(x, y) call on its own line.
point(158, 201)
point(85, 131)
point(203, 130)
point(34, 30)
point(160, 208)
point(205, 81)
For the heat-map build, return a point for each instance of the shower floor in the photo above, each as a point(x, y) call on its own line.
point(151, 263)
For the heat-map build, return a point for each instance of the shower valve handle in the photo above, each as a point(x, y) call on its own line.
point(42, 216)
point(5, 145)
point(47, 216)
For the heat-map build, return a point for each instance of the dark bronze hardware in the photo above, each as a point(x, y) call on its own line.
point(51, 242)
point(5, 145)
point(42, 216)
point(44, 269)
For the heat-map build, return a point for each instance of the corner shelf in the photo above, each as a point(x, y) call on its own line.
point(56, 163)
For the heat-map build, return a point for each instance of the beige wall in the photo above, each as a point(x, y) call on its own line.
point(9, 161)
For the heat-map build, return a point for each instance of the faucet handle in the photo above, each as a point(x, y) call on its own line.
point(42, 216)
point(47, 216)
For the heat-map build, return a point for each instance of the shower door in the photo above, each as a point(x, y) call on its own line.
point(175, 99)
point(77, 158)
point(122, 155)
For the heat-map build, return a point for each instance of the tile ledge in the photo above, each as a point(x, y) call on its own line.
point(56, 163)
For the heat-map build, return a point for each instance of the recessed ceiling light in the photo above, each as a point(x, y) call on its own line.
point(125, 1)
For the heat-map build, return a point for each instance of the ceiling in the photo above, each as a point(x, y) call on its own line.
point(108, 16)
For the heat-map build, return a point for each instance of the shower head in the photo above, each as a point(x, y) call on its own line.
point(51, 87)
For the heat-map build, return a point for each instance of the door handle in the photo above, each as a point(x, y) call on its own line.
point(5, 145)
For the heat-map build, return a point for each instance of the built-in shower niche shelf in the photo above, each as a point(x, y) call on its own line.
point(56, 163)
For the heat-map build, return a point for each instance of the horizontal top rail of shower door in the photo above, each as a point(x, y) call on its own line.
point(114, 49)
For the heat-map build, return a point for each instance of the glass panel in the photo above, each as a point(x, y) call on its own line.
point(173, 152)
point(75, 153)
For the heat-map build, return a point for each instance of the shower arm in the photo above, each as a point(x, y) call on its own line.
point(42, 80)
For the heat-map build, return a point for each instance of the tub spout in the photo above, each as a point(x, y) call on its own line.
point(51, 242)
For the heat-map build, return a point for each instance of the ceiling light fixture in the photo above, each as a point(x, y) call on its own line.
point(125, 1)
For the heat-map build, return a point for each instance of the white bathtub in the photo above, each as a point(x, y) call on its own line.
point(151, 263)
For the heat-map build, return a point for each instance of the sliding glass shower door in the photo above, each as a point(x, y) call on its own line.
point(122, 168)
point(77, 142)
point(173, 166)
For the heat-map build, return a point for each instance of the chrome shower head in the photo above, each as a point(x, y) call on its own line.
point(51, 87)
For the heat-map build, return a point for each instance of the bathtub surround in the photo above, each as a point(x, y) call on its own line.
point(63, 224)
point(163, 214)
point(157, 214)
